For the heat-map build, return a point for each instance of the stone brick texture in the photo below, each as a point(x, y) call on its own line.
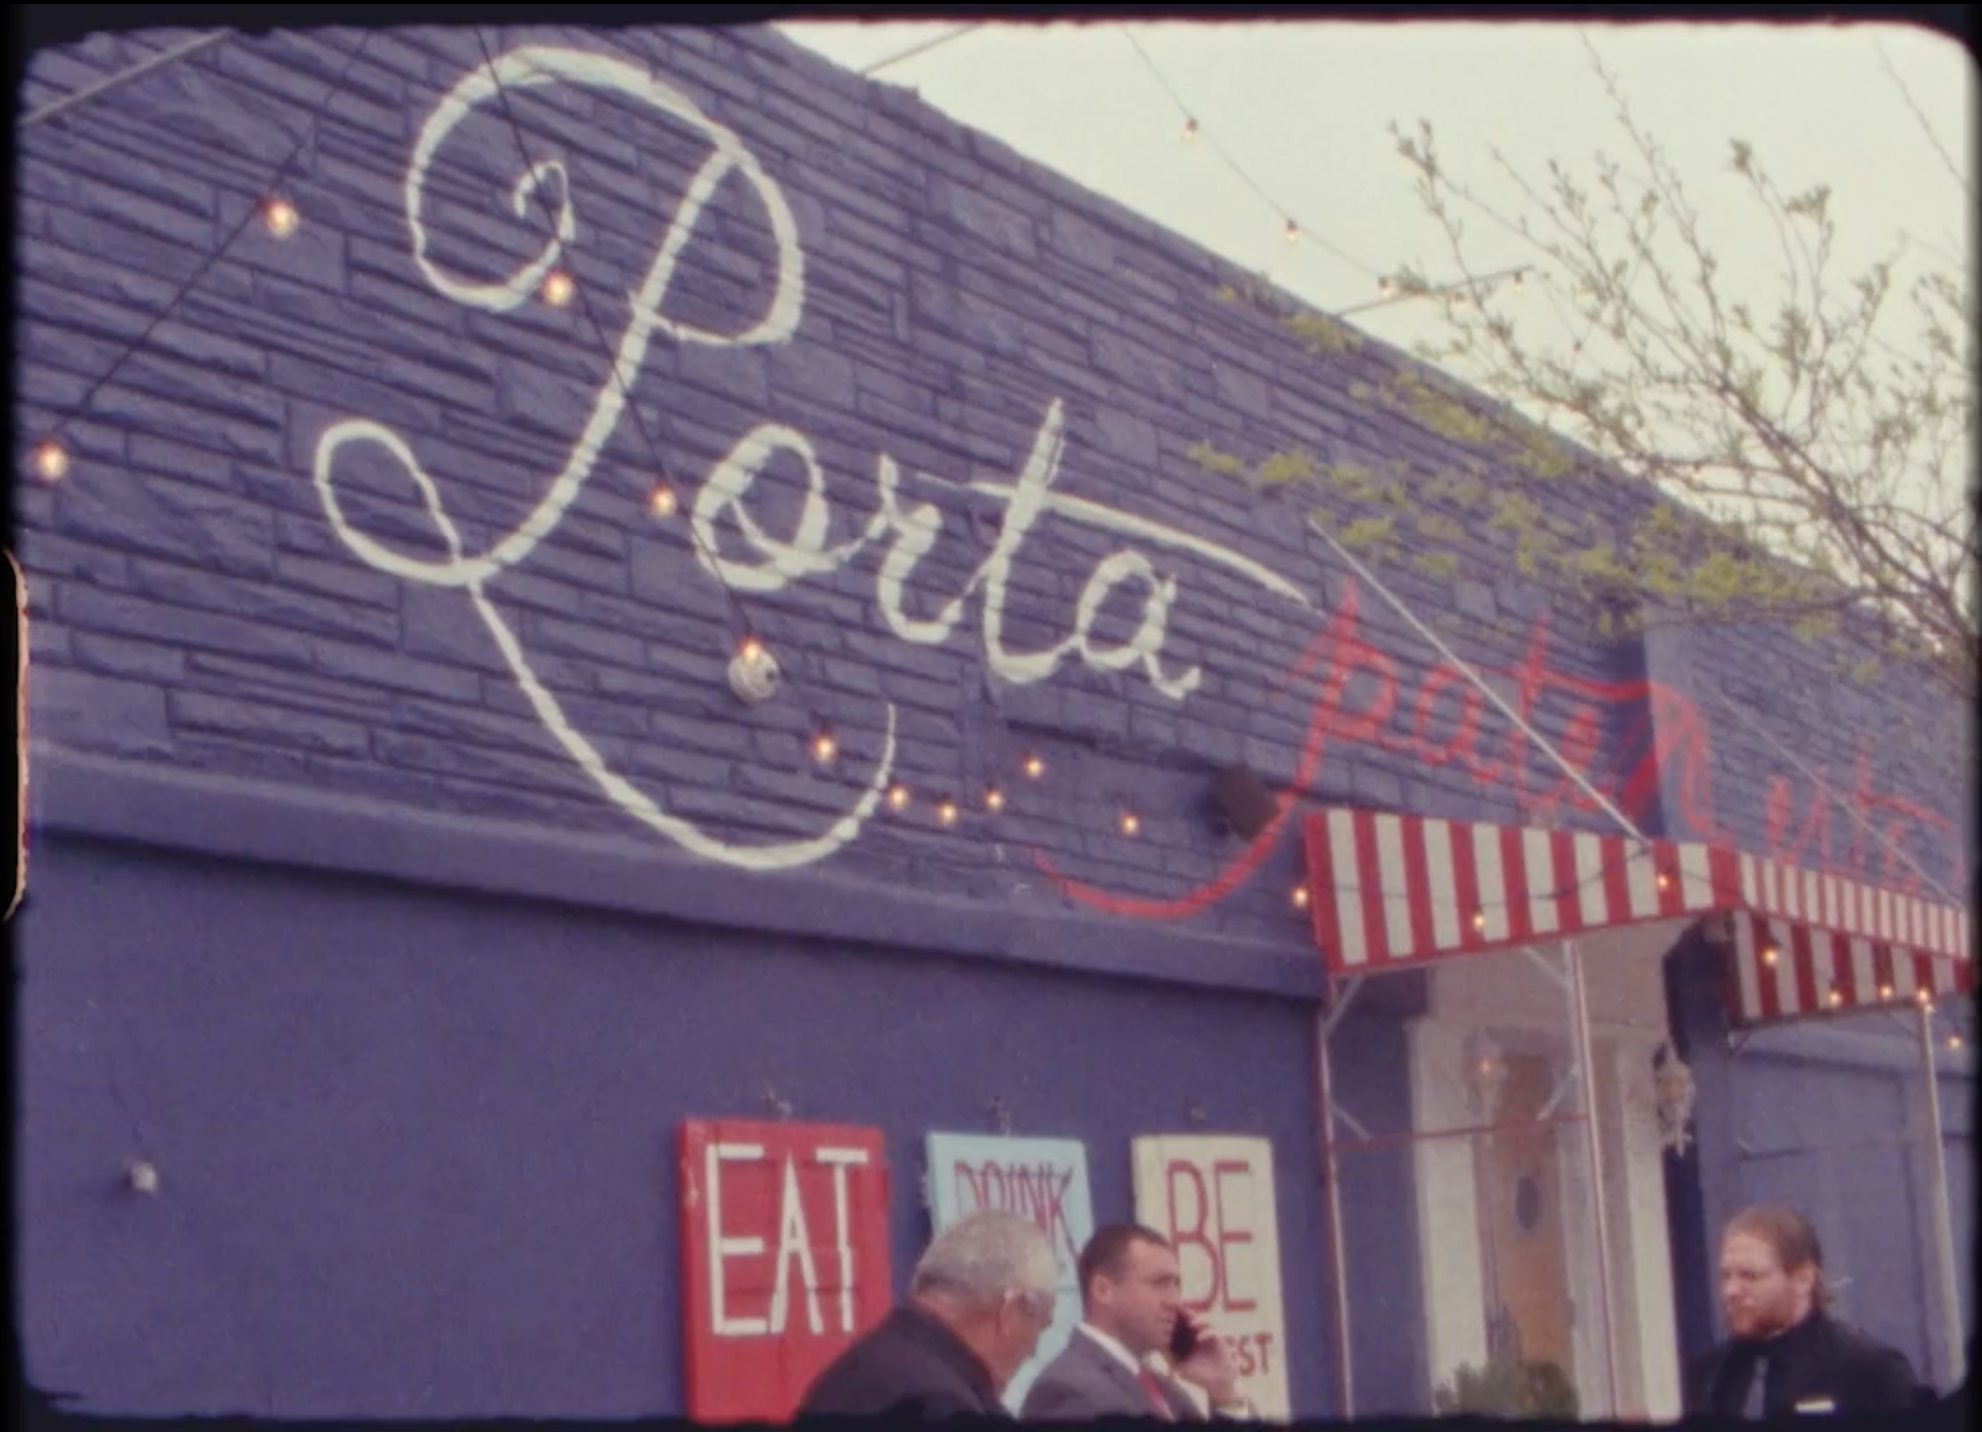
point(192, 604)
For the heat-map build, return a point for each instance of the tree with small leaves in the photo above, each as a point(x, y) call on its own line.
point(1695, 456)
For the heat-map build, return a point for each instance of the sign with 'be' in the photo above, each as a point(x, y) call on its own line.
point(1043, 1179)
point(1213, 1199)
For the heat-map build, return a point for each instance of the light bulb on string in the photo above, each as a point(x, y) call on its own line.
point(281, 217)
point(1479, 921)
point(946, 812)
point(51, 463)
point(750, 649)
point(1519, 274)
point(1885, 991)
point(1837, 997)
point(1300, 897)
point(1034, 767)
point(662, 501)
point(898, 797)
point(1954, 1040)
point(1292, 231)
point(994, 799)
point(1664, 881)
point(558, 288)
point(1383, 287)
point(1131, 823)
point(824, 747)
point(1924, 998)
point(1769, 955)
point(1190, 130)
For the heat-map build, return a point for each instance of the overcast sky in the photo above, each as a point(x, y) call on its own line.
point(1303, 107)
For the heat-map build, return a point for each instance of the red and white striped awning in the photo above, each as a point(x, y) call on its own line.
point(1390, 891)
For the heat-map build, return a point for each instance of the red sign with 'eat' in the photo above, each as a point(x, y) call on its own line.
point(784, 1259)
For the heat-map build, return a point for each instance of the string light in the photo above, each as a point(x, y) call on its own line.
point(1885, 991)
point(750, 649)
point(994, 799)
point(558, 288)
point(1190, 130)
point(1769, 955)
point(1131, 823)
point(1383, 287)
point(946, 812)
point(1665, 881)
point(1300, 897)
point(1034, 767)
point(1837, 996)
point(1519, 275)
point(1479, 920)
point(1293, 231)
point(281, 217)
point(662, 501)
point(1954, 1040)
point(51, 463)
point(824, 747)
point(1924, 998)
point(898, 797)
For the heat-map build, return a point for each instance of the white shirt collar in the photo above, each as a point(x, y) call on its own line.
point(1113, 1348)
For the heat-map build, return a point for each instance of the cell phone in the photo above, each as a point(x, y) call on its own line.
point(1183, 1340)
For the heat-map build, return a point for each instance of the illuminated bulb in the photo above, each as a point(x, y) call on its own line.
point(1923, 997)
point(1035, 767)
point(994, 799)
point(946, 812)
point(1768, 954)
point(1293, 231)
point(1954, 1041)
point(558, 289)
point(1300, 897)
point(1518, 274)
point(1190, 130)
point(1479, 920)
point(1837, 997)
point(50, 462)
point(824, 748)
point(1383, 287)
point(898, 797)
point(1131, 822)
point(1665, 881)
point(281, 217)
point(750, 649)
point(1885, 991)
point(143, 1177)
point(662, 501)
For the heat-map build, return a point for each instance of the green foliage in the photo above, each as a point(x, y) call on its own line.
point(1511, 1390)
point(1789, 462)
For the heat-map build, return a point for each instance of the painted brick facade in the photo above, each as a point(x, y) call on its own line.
point(199, 623)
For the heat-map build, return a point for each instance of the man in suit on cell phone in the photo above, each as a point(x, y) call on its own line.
point(1130, 1313)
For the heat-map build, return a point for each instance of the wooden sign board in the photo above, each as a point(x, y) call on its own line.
point(784, 1258)
point(1212, 1197)
point(1043, 1179)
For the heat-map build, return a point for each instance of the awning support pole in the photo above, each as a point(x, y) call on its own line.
point(1337, 1250)
point(1937, 1177)
point(1593, 1133)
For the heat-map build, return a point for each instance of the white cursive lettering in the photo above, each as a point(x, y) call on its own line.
point(912, 529)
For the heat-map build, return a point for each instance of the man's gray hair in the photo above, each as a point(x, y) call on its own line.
point(981, 1258)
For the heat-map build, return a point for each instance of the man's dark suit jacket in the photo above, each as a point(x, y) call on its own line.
point(1087, 1381)
point(1818, 1360)
point(908, 1365)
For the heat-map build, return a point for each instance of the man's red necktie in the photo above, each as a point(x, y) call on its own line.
point(1156, 1398)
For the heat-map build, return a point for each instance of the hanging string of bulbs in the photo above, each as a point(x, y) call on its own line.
point(49, 458)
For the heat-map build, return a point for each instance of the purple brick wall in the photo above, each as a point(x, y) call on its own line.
point(216, 670)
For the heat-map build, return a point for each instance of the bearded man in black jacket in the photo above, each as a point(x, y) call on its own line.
point(1786, 1354)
